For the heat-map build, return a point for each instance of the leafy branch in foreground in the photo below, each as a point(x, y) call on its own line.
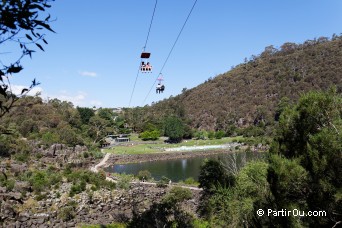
point(21, 22)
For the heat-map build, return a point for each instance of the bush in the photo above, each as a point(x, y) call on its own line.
point(124, 182)
point(22, 156)
point(150, 135)
point(96, 154)
point(86, 176)
point(67, 213)
point(8, 183)
point(177, 195)
point(253, 131)
point(219, 134)
point(144, 175)
point(198, 223)
point(164, 181)
point(39, 181)
point(77, 188)
point(211, 135)
point(50, 138)
point(191, 181)
point(200, 135)
point(85, 154)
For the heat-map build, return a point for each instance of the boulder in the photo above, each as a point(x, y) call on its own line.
point(18, 168)
point(21, 186)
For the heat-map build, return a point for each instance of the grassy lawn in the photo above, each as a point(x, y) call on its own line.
point(159, 146)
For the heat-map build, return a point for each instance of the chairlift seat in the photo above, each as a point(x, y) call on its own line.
point(145, 55)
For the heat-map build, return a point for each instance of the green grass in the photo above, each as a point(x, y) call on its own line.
point(159, 146)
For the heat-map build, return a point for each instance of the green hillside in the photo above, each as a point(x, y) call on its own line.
point(249, 94)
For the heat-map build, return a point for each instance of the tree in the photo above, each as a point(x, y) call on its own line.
point(174, 129)
point(98, 128)
point(211, 177)
point(85, 113)
point(310, 137)
point(21, 23)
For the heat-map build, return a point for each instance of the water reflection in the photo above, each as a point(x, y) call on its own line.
point(180, 169)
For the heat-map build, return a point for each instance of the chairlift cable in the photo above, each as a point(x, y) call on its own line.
point(173, 46)
point(148, 34)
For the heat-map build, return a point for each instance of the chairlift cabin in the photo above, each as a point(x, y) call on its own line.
point(145, 66)
point(160, 87)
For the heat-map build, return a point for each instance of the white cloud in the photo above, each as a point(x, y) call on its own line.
point(96, 103)
point(17, 89)
point(77, 99)
point(88, 73)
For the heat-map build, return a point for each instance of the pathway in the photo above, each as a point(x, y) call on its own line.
point(102, 163)
point(105, 159)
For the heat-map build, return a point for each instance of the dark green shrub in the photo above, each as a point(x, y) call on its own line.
point(177, 195)
point(144, 175)
point(200, 135)
point(85, 154)
point(67, 213)
point(164, 181)
point(219, 134)
point(77, 188)
point(211, 135)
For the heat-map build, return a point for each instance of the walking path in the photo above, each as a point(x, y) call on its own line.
point(102, 163)
point(106, 157)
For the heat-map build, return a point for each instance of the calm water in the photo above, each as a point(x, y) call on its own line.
point(177, 169)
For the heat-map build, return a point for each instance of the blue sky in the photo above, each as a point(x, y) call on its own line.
point(93, 58)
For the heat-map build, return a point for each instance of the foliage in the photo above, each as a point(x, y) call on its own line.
point(167, 213)
point(174, 129)
point(85, 114)
point(53, 122)
point(253, 93)
point(41, 180)
point(200, 135)
point(6, 182)
point(124, 181)
point(21, 22)
point(77, 188)
point(310, 140)
point(112, 225)
point(236, 206)
point(199, 223)
point(67, 213)
point(219, 134)
point(177, 195)
point(149, 135)
point(253, 131)
point(191, 181)
point(211, 135)
point(144, 175)
point(212, 174)
point(81, 177)
point(163, 182)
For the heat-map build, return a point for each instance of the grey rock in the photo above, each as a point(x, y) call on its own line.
point(40, 220)
point(18, 168)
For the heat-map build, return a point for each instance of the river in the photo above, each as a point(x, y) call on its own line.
point(180, 169)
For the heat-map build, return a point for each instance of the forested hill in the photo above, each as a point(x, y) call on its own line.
point(250, 93)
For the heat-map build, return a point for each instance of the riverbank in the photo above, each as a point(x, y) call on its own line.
point(135, 158)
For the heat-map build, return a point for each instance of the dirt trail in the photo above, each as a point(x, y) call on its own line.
point(102, 163)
